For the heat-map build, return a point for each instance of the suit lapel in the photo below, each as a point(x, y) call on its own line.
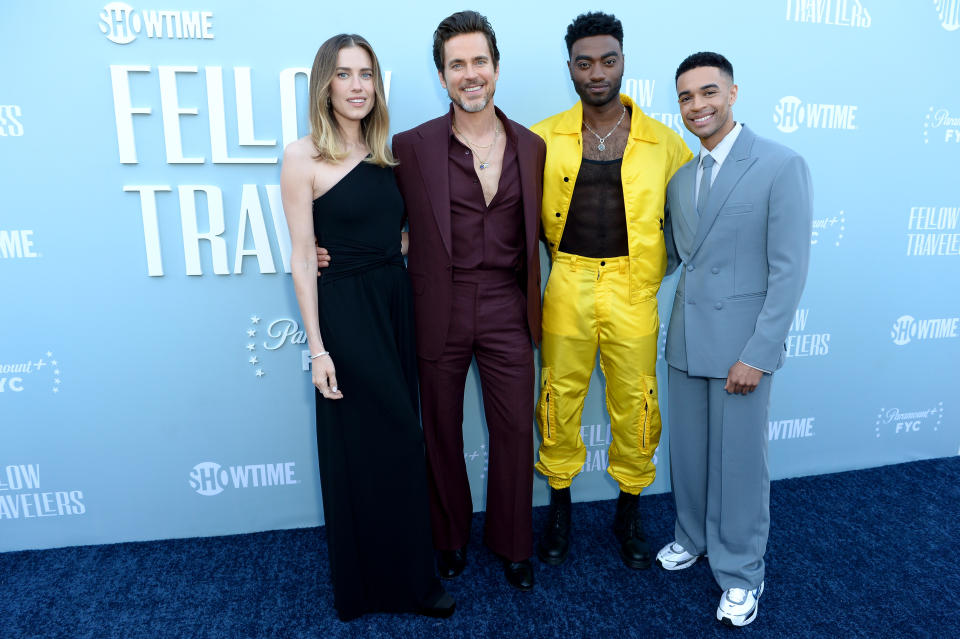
point(527, 160)
point(687, 216)
point(736, 165)
point(432, 155)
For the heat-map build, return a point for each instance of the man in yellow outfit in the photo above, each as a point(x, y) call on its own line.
point(605, 179)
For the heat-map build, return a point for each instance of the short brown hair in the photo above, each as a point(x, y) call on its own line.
point(461, 23)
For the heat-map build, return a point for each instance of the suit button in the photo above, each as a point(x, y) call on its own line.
point(690, 267)
point(718, 305)
point(714, 270)
point(602, 263)
point(566, 179)
point(558, 214)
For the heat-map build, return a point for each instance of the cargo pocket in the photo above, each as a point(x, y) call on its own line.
point(546, 411)
point(649, 425)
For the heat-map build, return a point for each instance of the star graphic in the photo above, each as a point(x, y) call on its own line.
point(56, 380)
point(254, 360)
point(54, 362)
point(49, 354)
point(251, 332)
point(41, 363)
point(250, 347)
point(56, 371)
point(260, 372)
point(254, 319)
point(56, 390)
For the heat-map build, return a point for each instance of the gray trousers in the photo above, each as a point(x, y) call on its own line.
point(718, 468)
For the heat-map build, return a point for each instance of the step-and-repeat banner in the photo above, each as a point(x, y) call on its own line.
point(154, 375)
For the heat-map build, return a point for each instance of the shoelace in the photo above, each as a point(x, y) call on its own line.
point(737, 596)
point(635, 527)
point(557, 521)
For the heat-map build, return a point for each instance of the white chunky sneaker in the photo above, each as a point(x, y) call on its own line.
point(738, 607)
point(674, 557)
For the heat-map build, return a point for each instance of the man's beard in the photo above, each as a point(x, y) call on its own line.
point(599, 100)
point(474, 107)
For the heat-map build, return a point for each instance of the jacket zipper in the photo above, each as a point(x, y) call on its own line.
point(646, 415)
point(548, 416)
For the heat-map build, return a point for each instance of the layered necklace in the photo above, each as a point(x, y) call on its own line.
point(484, 162)
point(603, 138)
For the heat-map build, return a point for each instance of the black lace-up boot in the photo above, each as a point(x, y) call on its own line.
point(555, 542)
point(628, 527)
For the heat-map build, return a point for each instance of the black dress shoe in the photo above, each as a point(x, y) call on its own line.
point(628, 527)
point(555, 542)
point(442, 608)
point(451, 562)
point(519, 574)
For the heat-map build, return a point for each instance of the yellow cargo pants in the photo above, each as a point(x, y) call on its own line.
point(587, 306)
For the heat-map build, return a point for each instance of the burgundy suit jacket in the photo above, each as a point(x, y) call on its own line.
point(423, 178)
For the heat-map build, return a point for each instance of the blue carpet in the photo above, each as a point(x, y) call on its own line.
point(869, 553)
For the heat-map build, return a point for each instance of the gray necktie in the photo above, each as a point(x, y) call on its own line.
point(704, 193)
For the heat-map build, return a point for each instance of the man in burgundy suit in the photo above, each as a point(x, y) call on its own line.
point(471, 181)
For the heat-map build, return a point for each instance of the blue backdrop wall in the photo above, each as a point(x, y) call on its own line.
point(153, 378)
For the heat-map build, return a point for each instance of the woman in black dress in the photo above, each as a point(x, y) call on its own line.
point(338, 188)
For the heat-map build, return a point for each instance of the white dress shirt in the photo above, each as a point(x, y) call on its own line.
point(719, 153)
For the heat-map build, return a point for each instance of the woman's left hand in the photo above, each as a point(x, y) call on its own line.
point(325, 377)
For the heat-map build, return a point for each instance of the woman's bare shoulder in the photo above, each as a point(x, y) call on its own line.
point(300, 151)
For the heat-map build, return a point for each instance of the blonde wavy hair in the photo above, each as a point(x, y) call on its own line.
point(324, 130)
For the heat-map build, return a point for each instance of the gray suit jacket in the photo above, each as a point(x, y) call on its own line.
point(744, 261)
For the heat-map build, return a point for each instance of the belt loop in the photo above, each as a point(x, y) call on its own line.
point(573, 263)
point(623, 264)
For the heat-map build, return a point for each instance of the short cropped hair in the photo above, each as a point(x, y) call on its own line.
point(593, 24)
point(705, 59)
point(461, 23)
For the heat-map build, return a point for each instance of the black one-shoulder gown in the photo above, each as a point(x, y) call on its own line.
point(370, 445)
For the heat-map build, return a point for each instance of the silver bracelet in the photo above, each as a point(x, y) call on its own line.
point(320, 354)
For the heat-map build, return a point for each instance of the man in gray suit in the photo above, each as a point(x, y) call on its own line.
point(739, 220)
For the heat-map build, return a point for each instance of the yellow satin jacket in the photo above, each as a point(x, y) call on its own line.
point(653, 154)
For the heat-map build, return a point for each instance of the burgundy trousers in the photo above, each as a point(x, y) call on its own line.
point(488, 321)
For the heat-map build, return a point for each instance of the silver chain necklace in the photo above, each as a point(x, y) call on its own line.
point(484, 163)
point(603, 138)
